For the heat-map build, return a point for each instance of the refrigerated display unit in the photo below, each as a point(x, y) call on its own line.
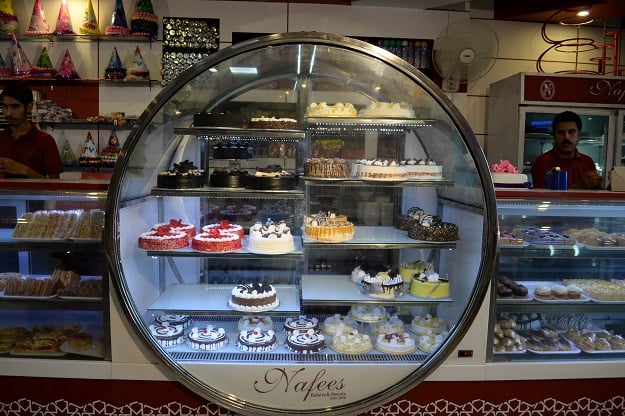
point(281, 75)
point(522, 106)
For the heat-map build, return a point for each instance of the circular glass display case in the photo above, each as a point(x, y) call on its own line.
point(424, 282)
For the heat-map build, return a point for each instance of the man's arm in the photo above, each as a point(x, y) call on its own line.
point(15, 168)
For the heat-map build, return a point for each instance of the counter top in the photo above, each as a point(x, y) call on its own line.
point(55, 184)
point(571, 194)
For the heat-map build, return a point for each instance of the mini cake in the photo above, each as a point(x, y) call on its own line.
point(248, 323)
point(254, 297)
point(543, 292)
point(178, 226)
point(326, 168)
point(430, 342)
point(381, 170)
point(507, 287)
point(422, 169)
point(328, 227)
point(395, 343)
point(384, 109)
point(207, 339)
point(337, 322)
point(427, 324)
point(272, 177)
point(301, 324)
point(305, 342)
point(270, 238)
point(215, 241)
point(232, 150)
point(167, 335)
point(389, 326)
point(282, 123)
point(506, 175)
point(409, 269)
point(257, 340)
point(235, 178)
point(224, 227)
point(183, 175)
point(368, 313)
point(429, 285)
point(336, 110)
point(351, 342)
point(184, 320)
point(383, 285)
point(163, 238)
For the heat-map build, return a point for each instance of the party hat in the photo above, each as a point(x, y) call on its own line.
point(67, 69)
point(89, 155)
point(110, 153)
point(38, 22)
point(21, 64)
point(143, 21)
point(115, 69)
point(63, 23)
point(43, 68)
point(67, 155)
point(89, 21)
point(5, 72)
point(8, 19)
point(119, 24)
point(138, 70)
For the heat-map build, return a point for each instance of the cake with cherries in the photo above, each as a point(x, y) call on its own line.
point(430, 343)
point(183, 175)
point(184, 320)
point(235, 178)
point(254, 297)
point(422, 169)
point(208, 338)
point(215, 241)
point(506, 175)
point(368, 313)
point(350, 341)
point(257, 340)
point(225, 227)
point(305, 342)
point(249, 323)
point(270, 238)
point(379, 109)
point(178, 225)
point(388, 326)
point(272, 177)
point(381, 170)
point(429, 285)
point(167, 335)
point(383, 285)
point(324, 109)
point(395, 343)
point(326, 168)
point(337, 322)
point(282, 123)
point(163, 238)
point(328, 227)
point(300, 324)
point(427, 324)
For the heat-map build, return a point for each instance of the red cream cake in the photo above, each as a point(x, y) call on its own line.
point(178, 225)
point(216, 241)
point(163, 238)
point(224, 227)
point(254, 297)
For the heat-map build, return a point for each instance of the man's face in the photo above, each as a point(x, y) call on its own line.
point(566, 136)
point(14, 111)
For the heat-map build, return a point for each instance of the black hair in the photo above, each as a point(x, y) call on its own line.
point(566, 116)
point(19, 91)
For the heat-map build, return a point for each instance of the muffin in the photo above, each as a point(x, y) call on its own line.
point(559, 292)
point(573, 291)
point(543, 291)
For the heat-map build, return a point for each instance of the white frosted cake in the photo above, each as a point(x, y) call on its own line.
point(381, 170)
point(505, 174)
point(385, 109)
point(323, 109)
point(422, 169)
point(270, 238)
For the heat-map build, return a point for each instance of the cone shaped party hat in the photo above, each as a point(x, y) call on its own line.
point(89, 21)
point(38, 22)
point(67, 155)
point(20, 64)
point(119, 24)
point(67, 69)
point(143, 21)
point(5, 72)
point(8, 19)
point(138, 70)
point(63, 23)
point(43, 68)
point(89, 155)
point(111, 152)
point(115, 69)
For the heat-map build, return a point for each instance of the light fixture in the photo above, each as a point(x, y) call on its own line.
point(244, 70)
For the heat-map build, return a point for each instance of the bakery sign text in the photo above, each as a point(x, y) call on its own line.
point(305, 382)
point(609, 88)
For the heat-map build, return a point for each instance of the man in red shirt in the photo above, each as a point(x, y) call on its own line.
point(582, 173)
point(25, 151)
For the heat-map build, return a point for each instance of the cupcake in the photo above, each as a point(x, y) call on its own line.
point(573, 291)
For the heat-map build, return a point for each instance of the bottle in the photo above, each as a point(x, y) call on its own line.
point(418, 52)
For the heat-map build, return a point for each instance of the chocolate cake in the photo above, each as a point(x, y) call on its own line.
point(272, 177)
point(183, 175)
point(236, 178)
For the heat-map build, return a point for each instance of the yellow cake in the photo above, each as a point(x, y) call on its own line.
point(429, 285)
point(328, 227)
point(351, 342)
point(427, 324)
point(409, 269)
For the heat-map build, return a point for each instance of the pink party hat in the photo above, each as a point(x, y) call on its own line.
point(38, 22)
point(4, 71)
point(21, 64)
point(137, 70)
point(119, 24)
point(63, 23)
point(8, 18)
point(89, 21)
point(67, 70)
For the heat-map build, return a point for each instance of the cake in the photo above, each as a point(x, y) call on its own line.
point(170, 319)
point(388, 326)
point(167, 335)
point(506, 175)
point(225, 227)
point(89, 24)
point(137, 71)
point(207, 339)
point(507, 287)
point(257, 340)
point(215, 241)
point(43, 68)
point(409, 269)
point(163, 238)
point(119, 24)
point(232, 150)
point(81, 342)
point(365, 270)
point(509, 239)
point(244, 212)
point(422, 169)
point(249, 323)
point(111, 152)
point(274, 213)
point(429, 285)
point(63, 22)
point(337, 322)
point(381, 170)
point(8, 18)
point(395, 343)
point(283, 123)
point(368, 313)
point(350, 341)
point(183, 175)
point(38, 21)
point(115, 69)
point(540, 237)
point(427, 324)
point(177, 225)
point(89, 155)
point(428, 227)
point(383, 285)
point(305, 342)
point(430, 343)
point(67, 70)
point(270, 238)
point(301, 324)
point(272, 177)
point(326, 168)
point(328, 227)
point(235, 178)
point(384, 109)
point(338, 109)
point(254, 297)
point(218, 119)
point(143, 21)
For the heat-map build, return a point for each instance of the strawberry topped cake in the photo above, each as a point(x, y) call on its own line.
point(225, 227)
point(506, 175)
point(178, 225)
point(163, 238)
point(216, 241)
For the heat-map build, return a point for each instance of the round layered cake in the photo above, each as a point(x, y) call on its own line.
point(427, 324)
point(305, 342)
point(184, 320)
point(328, 227)
point(326, 168)
point(383, 285)
point(272, 177)
point(301, 324)
point(163, 238)
point(431, 342)
point(178, 225)
point(270, 238)
point(167, 335)
point(235, 178)
point(283, 123)
point(254, 297)
point(225, 227)
point(257, 340)
point(215, 241)
point(378, 109)
point(351, 341)
point(333, 324)
point(429, 285)
point(248, 323)
point(381, 170)
point(388, 326)
point(207, 339)
point(430, 228)
point(324, 109)
point(409, 269)
point(183, 175)
point(368, 313)
point(395, 343)
point(422, 169)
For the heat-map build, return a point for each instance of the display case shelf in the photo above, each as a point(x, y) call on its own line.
point(376, 183)
point(378, 237)
point(321, 124)
point(213, 192)
point(51, 245)
point(241, 133)
point(243, 253)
